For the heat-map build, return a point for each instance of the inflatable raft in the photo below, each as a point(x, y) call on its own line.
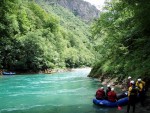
point(123, 100)
point(107, 103)
point(9, 73)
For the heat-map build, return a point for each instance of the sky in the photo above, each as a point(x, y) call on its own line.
point(97, 3)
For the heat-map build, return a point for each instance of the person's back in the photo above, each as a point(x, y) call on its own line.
point(132, 93)
point(100, 93)
point(132, 96)
point(112, 96)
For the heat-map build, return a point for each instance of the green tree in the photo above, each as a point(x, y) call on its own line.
point(35, 38)
point(122, 38)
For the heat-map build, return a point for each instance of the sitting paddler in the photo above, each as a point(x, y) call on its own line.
point(112, 96)
point(107, 90)
point(100, 94)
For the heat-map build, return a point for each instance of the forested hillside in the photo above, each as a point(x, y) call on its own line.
point(79, 8)
point(35, 38)
point(123, 39)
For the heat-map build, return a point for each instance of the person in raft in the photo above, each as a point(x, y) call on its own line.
point(100, 94)
point(141, 88)
point(112, 95)
point(107, 90)
point(132, 96)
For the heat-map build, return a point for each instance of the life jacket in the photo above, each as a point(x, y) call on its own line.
point(133, 91)
point(112, 96)
point(107, 91)
point(100, 94)
point(141, 86)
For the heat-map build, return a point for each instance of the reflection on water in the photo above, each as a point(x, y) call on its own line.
point(69, 92)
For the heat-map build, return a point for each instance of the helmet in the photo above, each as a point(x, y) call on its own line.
point(108, 85)
point(102, 88)
point(129, 77)
point(139, 79)
point(132, 82)
point(112, 89)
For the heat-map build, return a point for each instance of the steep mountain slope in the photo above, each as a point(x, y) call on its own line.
point(38, 37)
point(78, 32)
point(79, 8)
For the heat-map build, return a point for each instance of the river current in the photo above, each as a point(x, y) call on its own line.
point(67, 92)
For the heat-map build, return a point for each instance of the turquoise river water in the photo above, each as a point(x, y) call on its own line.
point(68, 92)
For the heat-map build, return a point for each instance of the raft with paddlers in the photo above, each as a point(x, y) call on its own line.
point(122, 101)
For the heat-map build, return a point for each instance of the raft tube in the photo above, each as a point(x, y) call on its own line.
point(122, 95)
point(107, 103)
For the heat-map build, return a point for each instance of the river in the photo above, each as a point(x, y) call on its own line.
point(67, 92)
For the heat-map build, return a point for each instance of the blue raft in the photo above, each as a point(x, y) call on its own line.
point(107, 103)
point(9, 73)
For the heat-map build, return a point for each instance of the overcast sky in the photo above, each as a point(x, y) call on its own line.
point(97, 3)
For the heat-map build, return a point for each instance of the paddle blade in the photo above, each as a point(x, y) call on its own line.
point(119, 108)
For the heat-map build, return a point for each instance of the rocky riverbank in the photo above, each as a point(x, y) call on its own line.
point(139, 107)
point(142, 109)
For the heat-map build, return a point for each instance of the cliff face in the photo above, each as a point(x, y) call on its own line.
point(79, 8)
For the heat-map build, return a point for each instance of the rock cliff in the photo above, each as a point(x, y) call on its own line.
point(79, 8)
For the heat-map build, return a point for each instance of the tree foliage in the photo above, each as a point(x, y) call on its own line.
point(122, 33)
point(34, 38)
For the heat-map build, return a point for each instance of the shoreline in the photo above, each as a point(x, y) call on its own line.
point(49, 71)
point(139, 108)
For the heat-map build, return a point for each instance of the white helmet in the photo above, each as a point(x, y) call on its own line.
point(108, 85)
point(112, 89)
point(129, 77)
point(139, 79)
point(102, 88)
point(132, 82)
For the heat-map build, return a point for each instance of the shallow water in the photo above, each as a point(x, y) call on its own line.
point(69, 92)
